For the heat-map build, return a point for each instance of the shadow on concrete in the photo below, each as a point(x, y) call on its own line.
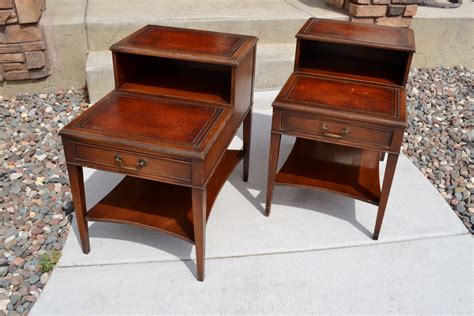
point(100, 183)
point(176, 247)
point(296, 197)
point(97, 186)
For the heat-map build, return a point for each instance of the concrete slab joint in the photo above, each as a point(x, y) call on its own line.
point(22, 41)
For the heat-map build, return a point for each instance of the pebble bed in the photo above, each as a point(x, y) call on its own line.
point(439, 137)
point(34, 192)
point(35, 198)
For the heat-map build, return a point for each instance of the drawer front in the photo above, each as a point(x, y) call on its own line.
point(336, 130)
point(132, 163)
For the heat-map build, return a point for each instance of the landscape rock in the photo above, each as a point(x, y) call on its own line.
point(32, 201)
point(437, 138)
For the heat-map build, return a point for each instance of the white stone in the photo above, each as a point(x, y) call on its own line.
point(22, 234)
point(44, 278)
point(9, 242)
point(59, 216)
point(15, 176)
point(7, 254)
point(41, 158)
point(3, 303)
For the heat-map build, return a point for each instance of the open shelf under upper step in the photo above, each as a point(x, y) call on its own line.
point(329, 167)
point(176, 78)
point(161, 206)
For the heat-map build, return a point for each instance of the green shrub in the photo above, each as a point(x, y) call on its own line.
point(48, 260)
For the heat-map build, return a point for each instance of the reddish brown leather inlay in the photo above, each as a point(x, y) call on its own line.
point(345, 95)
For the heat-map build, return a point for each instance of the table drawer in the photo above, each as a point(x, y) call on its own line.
point(132, 163)
point(336, 130)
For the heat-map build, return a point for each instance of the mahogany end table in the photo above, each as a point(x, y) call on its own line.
point(346, 105)
point(180, 96)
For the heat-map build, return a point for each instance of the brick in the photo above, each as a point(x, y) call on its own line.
point(20, 33)
point(12, 58)
point(394, 21)
point(17, 75)
point(361, 1)
point(367, 10)
point(346, 5)
point(404, 1)
point(381, 1)
point(6, 4)
point(25, 74)
point(13, 66)
point(395, 10)
point(7, 17)
point(24, 47)
point(29, 11)
point(35, 60)
point(410, 10)
point(363, 20)
point(335, 3)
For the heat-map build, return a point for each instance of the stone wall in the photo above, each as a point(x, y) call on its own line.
point(22, 44)
point(382, 12)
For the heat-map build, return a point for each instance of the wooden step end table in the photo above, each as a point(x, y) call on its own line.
point(346, 105)
point(180, 96)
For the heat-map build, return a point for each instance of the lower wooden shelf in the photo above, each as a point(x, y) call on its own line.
point(329, 167)
point(158, 205)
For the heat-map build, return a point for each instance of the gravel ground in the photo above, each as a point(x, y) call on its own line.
point(34, 193)
point(439, 137)
point(35, 198)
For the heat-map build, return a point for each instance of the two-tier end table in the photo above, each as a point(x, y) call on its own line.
point(180, 96)
point(346, 105)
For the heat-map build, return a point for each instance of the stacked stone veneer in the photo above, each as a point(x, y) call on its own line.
point(382, 12)
point(22, 44)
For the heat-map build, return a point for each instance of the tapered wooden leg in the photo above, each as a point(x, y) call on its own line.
point(272, 166)
point(387, 184)
point(382, 156)
point(76, 180)
point(199, 220)
point(247, 137)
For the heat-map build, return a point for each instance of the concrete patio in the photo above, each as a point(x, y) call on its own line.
point(314, 254)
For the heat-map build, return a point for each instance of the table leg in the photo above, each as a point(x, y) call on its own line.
point(76, 180)
point(272, 166)
point(199, 221)
point(247, 131)
point(387, 184)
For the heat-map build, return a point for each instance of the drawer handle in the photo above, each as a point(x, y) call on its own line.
point(118, 160)
point(141, 163)
point(324, 129)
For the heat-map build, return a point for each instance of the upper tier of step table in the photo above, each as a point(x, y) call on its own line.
point(187, 44)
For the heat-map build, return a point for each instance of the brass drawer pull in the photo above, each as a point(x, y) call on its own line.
point(324, 129)
point(141, 163)
point(118, 160)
